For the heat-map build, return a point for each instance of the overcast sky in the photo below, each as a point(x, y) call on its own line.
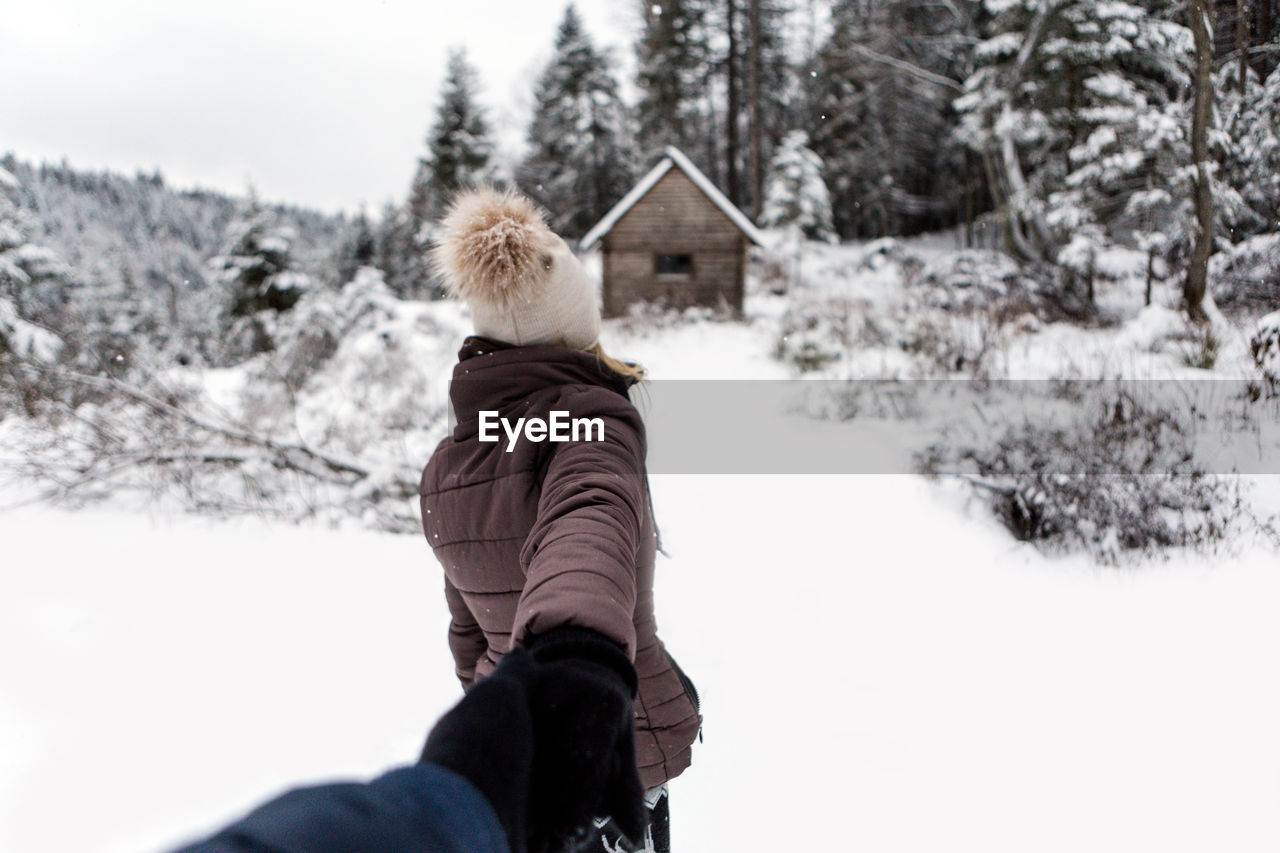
point(325, 102)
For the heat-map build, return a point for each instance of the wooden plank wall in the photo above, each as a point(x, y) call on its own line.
point(673, 218)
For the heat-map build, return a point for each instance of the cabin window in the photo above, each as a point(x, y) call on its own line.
point(673, 266)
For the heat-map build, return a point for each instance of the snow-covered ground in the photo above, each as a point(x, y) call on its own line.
point(880, 671)
point(883, 668)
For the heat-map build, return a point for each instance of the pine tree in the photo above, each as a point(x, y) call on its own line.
point(580, 162)
point(844, 133)
point(879, 105)
point(1251, 153)
point(795, 194)
point(258, 282)
point(359, 249)
point(458, 153)
point(672, 56)
point(459, 144)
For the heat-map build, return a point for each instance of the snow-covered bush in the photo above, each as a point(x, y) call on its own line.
point(1264, 345)
point(24, 349)
point(982, 281)
point(1246, 279)
point(816, 333)
point(333, 423)
point(969, 280)
point(350, 369)
point(1122, 480)
point(311, 333)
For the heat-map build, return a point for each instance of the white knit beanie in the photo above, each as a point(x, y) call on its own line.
point(523, 284)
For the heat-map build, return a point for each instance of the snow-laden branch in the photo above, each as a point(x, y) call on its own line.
point(281, 450)
point(910, 68)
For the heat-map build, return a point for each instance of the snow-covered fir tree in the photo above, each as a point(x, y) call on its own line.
point(459, 150)
point(795, 194)
point(1074, 107)
point(1251, 147)
point(32, 285)
point(359, 249)
point(580, 162)
point(258, 281)
point(32, 278)
point(459, 147)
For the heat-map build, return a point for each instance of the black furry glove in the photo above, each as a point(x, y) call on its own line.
point(488, 738)
point(584, 727)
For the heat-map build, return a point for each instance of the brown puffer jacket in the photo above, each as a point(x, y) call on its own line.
point(553, 533)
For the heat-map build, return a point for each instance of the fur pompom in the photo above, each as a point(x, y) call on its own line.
point(493, 247)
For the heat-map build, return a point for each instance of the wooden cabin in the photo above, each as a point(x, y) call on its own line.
point(675, 240)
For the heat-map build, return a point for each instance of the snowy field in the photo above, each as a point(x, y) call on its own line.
point(882, 667)
point(881, 671)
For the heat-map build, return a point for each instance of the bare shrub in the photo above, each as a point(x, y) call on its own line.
point(645, 318)
point(1122, 481)
point(953, 344)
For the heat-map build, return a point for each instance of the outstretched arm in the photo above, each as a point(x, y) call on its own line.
point(423, 808)
point(580, 556)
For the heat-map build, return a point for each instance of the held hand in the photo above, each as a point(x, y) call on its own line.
point(549, 739)
point(488, 738)
point(584, 728)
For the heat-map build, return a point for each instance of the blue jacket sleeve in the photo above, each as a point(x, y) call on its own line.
point(422, 808)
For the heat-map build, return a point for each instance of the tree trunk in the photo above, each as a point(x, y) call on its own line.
point(712, 134)
point(1151, 274)
point(1242, 42)
point(1264, 33)
point(1035, 246)
point(1193, 288)
point(753, 106)
point(733, 108)
point(968, 200)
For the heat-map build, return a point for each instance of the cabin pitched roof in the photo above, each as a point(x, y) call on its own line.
point(672, 156)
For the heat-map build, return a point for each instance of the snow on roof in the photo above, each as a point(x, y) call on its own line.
point(671, 156)
point(605, 225)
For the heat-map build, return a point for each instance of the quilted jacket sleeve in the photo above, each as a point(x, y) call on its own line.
point(580, 556)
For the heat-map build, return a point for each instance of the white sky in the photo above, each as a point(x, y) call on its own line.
point(324, 103)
